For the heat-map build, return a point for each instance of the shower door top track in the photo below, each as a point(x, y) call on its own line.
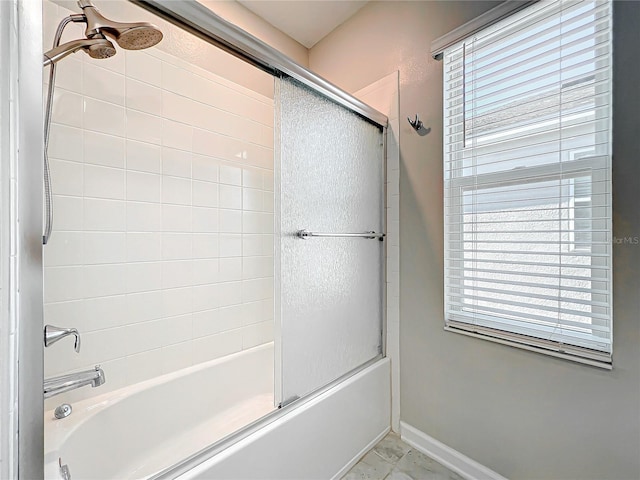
point(202, 22)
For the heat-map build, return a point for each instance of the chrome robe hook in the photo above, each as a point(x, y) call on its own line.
point(416, 124)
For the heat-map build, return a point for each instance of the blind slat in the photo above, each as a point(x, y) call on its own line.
point(531, 264)
point(526, 220)
point(524, 26)
point(577, 278)
point(524, 252)
point(519, 293)
point(525, 200)
point(529, 191)
point(533, 51)
point(588, 43)
point(569, 328)
point(533, 113)
point(516, 242)
point(551, 87)
point(493, 280)
point(520, 306)
point(539, 174)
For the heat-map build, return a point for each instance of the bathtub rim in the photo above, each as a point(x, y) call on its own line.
point(224, 443)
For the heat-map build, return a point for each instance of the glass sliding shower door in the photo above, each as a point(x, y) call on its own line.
point(329, 288)
point(177, 214)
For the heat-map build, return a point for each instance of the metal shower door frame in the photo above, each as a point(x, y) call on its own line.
point(21, 274)
point(281, 397)
point(203, 23)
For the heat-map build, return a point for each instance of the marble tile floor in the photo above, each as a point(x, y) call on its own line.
point(392, 459)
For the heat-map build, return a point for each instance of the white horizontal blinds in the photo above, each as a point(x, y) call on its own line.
point(527, 179)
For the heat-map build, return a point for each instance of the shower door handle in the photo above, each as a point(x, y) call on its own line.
point(304, 234)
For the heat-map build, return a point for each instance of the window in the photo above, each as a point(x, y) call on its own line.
point(527, 170)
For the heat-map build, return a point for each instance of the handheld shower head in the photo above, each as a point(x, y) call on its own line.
point(97, 47)
point(101, 49)
point(130, 36)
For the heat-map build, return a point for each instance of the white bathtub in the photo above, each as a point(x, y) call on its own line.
point(138, 431)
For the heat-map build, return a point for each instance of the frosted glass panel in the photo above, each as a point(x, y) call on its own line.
point(329, 292)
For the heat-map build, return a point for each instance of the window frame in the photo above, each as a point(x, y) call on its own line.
point(599, 167)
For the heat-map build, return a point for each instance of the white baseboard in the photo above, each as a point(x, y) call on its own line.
point(343, 471)
point(447, 456)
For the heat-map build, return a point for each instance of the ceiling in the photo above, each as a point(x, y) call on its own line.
point(306, 21)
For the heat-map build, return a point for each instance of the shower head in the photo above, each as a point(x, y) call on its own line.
point(130, 36)
point(97, 47)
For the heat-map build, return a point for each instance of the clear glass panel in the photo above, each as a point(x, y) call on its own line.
point(330, 293)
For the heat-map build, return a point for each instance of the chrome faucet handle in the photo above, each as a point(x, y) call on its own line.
point(52, 334)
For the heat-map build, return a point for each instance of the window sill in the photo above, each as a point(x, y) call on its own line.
point(523, 346)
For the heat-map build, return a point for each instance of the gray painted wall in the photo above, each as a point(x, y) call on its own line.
point(525, 415)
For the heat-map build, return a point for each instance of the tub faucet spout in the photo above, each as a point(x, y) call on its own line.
point(53, 386)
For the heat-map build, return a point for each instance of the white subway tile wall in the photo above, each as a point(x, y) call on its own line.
point(162, 248)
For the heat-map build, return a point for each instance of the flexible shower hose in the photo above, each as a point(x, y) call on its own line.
point(48, 194)
point(48, 197)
